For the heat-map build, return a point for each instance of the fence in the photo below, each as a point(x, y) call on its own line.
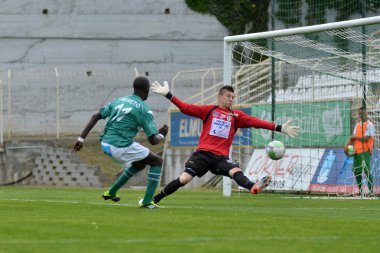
point(51, 101)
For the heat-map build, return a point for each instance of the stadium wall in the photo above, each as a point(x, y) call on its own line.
point(101, 44)
point(47, 163)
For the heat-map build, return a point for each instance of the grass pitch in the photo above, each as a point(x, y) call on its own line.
point(78, 220)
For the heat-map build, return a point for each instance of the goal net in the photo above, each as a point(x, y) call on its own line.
point(319, 76)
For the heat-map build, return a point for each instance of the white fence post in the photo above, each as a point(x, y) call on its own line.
point(57, 102)
point(9, 102)
point(1, 114)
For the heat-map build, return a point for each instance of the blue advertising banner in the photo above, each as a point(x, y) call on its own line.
point(185, 130)
point(334, 173)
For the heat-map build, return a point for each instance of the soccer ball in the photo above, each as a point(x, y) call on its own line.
point(350, 150)
point(275, 150)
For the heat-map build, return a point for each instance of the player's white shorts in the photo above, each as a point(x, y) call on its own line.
point(126, 155)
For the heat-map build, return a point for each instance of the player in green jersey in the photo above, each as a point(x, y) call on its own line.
point(126, 115)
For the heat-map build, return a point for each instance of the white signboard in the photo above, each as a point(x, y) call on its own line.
point(293, 172)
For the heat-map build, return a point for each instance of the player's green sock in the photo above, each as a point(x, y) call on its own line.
point(359, 178)
point(124, 177)
point(153, 179)
point(370, 185)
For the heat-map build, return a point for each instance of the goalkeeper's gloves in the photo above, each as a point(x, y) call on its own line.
point(162, 89)
point(287, 129)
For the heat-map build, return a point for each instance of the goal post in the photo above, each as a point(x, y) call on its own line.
point(319, 76)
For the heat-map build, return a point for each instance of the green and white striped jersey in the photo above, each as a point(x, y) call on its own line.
point(126, 115)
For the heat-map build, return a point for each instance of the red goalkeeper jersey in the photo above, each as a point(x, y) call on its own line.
point(220, 126)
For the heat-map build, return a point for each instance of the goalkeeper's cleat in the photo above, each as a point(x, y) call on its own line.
point(106, 196)
point(261, 184)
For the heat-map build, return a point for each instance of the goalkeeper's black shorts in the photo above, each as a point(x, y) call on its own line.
point(201, 162)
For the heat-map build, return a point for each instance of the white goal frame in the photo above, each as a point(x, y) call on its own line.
point(229, 40)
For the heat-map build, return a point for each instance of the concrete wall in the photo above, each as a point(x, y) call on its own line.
point(44, 163)
point(48, 163)
point(97, 47)
point(111, 40)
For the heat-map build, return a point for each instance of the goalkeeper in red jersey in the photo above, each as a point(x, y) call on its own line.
point(220, 124)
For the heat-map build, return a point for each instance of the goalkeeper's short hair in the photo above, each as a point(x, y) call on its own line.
point(226, 87)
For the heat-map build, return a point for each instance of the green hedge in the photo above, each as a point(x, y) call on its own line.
point(238, 16)
point(249, 16)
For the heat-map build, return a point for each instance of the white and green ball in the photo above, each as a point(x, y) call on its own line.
point(350, 150)
point(275, 150)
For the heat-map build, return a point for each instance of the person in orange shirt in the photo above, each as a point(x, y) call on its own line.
point(362, 140)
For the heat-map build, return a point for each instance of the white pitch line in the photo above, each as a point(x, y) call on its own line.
point(212, 208)
point(168, 240)
point(333, 198)
point(69, 202)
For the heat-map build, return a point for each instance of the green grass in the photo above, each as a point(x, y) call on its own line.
point(35, 219)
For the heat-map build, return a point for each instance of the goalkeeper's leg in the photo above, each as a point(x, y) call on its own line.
point(243, 181)
point(173, 186)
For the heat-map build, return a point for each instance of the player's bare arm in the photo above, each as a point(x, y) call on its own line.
point(79, 143)
point(162, 132)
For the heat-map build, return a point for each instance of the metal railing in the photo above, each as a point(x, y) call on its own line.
point(251, 83)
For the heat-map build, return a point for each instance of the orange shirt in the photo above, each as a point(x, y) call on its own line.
point(360, 131)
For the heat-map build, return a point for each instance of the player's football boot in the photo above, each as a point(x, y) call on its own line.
point(149, 206)
point(152, 205)
point(261, 184)
point(106, 195)
point(369, 195)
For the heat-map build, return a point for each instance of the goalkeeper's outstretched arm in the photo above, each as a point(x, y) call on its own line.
point(288, 129)
point(162, 89)
point(188, 109)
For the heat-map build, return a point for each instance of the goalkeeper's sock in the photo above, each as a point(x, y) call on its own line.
point(242, 180)
point(169, 189)
point(153, 179)
point(359, 178)
point(123, 179)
